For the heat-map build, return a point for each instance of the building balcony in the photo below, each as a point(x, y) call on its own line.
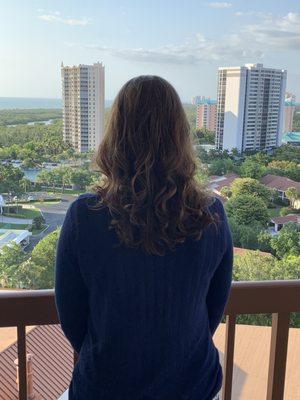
point(45, 359)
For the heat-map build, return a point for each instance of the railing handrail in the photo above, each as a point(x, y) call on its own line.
point(37, 307)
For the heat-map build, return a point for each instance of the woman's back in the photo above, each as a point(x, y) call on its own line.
point(144, 265)
point(142, 323)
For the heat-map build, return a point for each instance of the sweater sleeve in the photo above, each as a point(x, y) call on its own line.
point(70, 290)
point(220, 284)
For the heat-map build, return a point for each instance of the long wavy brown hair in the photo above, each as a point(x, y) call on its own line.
point(148, 169)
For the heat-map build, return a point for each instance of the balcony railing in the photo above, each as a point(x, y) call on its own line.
point(280, 298)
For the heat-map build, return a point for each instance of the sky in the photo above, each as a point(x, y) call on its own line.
point(183, 41)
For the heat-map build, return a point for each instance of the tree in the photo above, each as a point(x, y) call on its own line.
point(292, 194)
point(247, 210)
point(11, 257)
point(250, 186)
point(287, 242)
point(10, 179)
point(38, 222)
point(43, 259)
point(226, 191)
point(245, 236)
point(251, 168)
point(221, 166)
point(255, 266)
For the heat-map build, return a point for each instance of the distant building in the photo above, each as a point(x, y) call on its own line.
point(279, 222)
point(217, 183)
point(250, 107)
point(289, 111)
point(198, 100)
point(9, 236)
point(291, 138)
point(281, 184)
point(83, 105)
point(207, 115)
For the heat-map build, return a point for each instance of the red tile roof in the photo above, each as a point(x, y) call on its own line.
point(218, 182)
point(286, 218)
point(52, 364)
point(279, 182)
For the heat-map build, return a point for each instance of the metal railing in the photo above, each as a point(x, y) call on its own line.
point(280, 298)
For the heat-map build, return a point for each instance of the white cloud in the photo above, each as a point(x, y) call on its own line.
point(278, 33)
point(220, 4)
point(56, 17)
point(271, 34)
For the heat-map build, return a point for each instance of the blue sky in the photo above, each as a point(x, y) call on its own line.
point(183, 41)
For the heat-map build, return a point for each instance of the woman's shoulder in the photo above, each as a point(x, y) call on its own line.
point(84, 203)
point(215, 206)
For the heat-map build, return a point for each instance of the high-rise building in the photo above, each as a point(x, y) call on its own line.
point(289, 111)
point(207, 115)
point(250, 107)
point(197, 100)
point(83, 105)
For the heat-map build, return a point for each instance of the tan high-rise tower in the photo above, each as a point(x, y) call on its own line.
point(83, 105)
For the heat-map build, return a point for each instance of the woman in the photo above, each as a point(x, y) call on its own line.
point(144, 265)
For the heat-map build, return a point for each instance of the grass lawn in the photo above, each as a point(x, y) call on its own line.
point(45, 202)
point(28, 213)
point(66, 191)
point(13, 226)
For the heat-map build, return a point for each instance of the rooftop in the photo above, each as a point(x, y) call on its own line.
point(216, 183)
point(291, 137)
point(286, 218)
point(279, 182)
point(12, 235)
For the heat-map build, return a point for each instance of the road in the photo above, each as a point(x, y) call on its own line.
point(54, 215)
point(12, 220)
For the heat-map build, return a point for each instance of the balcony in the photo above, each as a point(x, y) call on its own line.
point(280, 298)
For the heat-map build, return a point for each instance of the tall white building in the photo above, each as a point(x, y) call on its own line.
point(83, 105)
point(289, 111)
point(250, 110)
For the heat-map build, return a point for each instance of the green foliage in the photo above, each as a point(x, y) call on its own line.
point(247, 210)
point(245, 236)
point(43, 259)
point(287, 152)
point(251, 168)
point(34, 144)
point(38, 222)
point(11, 257)
point(29, 271)
point(221, 166)
point(284, 168)
point(20, 116)
point(190, 111)
point(80, 178)
point(205, 137)
point(251, 187)
point(287, 242)
point(254, 266)
point(226, 191)
point(10, 179)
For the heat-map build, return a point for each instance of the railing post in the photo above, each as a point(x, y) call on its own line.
point(228, 357)
point(278, 356)
point(22, 368)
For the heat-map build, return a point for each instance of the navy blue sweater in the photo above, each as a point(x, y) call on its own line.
point(142, 324)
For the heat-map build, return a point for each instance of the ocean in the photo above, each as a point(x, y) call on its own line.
point(10, 103)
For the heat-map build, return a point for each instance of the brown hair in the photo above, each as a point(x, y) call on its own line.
point(148, 166)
